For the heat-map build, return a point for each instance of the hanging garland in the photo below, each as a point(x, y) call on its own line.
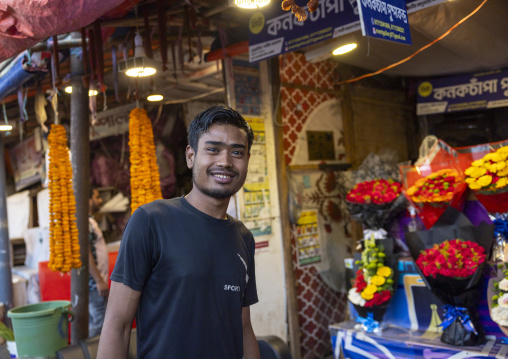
point(63, 233)
point(145, 178)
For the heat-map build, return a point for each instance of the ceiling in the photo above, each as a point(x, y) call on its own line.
point(476, 45)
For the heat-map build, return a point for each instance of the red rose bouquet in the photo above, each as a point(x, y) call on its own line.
point(433, 193)
point(375, 203)
point(452, 269)
point(374, 283)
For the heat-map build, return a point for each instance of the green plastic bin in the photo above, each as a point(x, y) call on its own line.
point(41, 329)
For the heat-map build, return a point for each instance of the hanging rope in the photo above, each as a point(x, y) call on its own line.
point(163, 45)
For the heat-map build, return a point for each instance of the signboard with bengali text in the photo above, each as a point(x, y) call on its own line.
point(477, 91)
point(273, 31)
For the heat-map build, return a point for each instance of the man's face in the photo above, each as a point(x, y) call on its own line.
point(219, 164)
point(95, 201)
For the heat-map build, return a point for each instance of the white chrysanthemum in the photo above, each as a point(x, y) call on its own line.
point(355, 297)
point(499, 314)
point(503, 300)
point(503, 285)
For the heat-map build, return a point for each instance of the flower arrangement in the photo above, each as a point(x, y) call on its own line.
point(377, 191)
point(451, 258)
point(499, 305)
point(63, 233)
point(145, 177)
point(432, 194)
point(437, 187)
point(373, 285)
point(488, 178)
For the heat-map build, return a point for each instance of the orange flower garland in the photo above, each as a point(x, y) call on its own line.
point(145, 178)
point(63, 233)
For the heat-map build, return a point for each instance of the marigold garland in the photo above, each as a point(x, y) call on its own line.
point(63, 232)
point(145, 178)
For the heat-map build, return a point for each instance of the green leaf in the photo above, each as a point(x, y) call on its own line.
point(6, 333)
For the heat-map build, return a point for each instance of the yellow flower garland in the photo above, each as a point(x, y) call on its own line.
point(63, 233)
point(145, 178)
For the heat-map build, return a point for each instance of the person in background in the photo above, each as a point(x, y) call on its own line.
point(185, 268)
point(98, 267)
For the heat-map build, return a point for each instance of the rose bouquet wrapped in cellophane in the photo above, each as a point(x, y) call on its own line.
point(433, 193)
point(374, 284)
point(375, 203)
point(450, 258)
point(498, 297)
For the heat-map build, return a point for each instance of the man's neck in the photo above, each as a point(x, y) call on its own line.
point(214, 207)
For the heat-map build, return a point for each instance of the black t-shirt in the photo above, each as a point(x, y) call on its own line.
point(195, 272)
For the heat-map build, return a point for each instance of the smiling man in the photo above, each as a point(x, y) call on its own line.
point(185, 268)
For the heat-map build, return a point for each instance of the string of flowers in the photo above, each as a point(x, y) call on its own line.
point(145, 178)
point(63, 232)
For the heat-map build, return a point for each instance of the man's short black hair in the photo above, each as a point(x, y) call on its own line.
point(217, 114)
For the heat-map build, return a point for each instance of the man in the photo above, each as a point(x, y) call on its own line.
point(98, 266)
point(186, 268)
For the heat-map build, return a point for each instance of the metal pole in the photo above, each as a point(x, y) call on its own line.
point(6, 292)
point(80, 149)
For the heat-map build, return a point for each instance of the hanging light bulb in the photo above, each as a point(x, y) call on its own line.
point(251, 4)
point(68, 89)
point(154, 98)
point(139, 65)
point(344, 49)
point(5, 127)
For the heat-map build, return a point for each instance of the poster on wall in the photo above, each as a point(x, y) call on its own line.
point(27, 163)
point(307, 238)
point(256, 190)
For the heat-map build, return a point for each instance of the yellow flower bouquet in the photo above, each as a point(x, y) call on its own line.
point(488, 178)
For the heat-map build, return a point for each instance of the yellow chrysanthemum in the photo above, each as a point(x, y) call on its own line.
point(503, 172)
point(371, 288)
point(378, 280)
point(384, 271)
point(501, 183)
point(500, 165)
point(484, 181)
point(497, 157)
point(367, 296)
point(475, 185)
point(478, 163)
point(503, 149)
point(475, 172)
point(470, 180)
point(489, 156)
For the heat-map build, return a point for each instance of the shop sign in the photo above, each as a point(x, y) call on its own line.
point(385, 20)
point(111, 122)
point(477, 91)
point(273, 31)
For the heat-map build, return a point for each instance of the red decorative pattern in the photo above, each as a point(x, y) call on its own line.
point(298, 104)
point(319, 305)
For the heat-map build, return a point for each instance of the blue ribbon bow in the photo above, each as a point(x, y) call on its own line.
point(369, 324)
point(452, 313)
point(501, 228)
point(504, 340)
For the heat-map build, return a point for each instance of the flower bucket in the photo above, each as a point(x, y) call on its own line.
point(41, 329)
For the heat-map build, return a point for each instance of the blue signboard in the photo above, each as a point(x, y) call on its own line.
point(385, 20)
point(466, 92)
point(273, 31)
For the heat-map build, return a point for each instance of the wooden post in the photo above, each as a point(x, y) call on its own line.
point(269, 79)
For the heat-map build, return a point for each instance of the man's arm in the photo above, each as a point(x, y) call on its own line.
point(250, 343)
point(122, 305)
point(102, 285)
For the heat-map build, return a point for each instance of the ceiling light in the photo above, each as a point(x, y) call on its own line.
point(5, 127)
point(251, 4)
point(139, 65)
point(345, 48)
point(68, 89)
point(154, 98)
